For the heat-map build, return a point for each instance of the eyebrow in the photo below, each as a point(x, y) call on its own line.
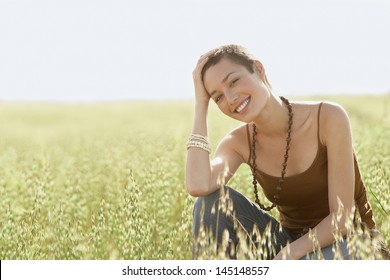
point(223, 81)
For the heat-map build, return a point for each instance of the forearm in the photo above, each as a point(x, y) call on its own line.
point(198, 168)
point(200, 119)
point(322, 235)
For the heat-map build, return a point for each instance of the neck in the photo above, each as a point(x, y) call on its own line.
point(273, 119)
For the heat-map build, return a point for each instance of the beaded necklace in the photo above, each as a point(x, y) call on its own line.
point(284, 165)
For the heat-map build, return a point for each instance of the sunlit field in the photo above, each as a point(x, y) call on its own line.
point(106, 180)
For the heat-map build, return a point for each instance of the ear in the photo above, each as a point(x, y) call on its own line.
point(259, 69)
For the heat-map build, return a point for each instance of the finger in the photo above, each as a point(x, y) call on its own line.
point(208, 54)
point(204, 58)
point(202, 61)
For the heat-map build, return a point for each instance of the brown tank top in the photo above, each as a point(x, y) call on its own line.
point(303, 201)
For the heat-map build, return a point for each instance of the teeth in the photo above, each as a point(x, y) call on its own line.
point(242, 106)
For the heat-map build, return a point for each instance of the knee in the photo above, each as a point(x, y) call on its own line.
point(204, 204)
point(198, 205)
point(202, 213)
point(205, 209)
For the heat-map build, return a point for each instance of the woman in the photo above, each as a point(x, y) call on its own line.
point(301, 155)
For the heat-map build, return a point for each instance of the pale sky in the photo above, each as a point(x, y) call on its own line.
point(83, 50)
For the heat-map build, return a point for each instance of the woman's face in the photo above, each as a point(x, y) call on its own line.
point(237, 92)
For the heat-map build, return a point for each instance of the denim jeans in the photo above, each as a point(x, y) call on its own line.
point(227, 210)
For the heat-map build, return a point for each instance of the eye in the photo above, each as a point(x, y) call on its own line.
point(232, 83)
point(218, 98)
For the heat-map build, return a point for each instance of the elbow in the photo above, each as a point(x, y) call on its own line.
point(196, 191)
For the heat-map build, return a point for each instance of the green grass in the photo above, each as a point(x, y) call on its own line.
point(106, 180)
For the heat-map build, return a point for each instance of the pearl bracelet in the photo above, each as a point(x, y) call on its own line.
point(198, 141)
point(199, 137)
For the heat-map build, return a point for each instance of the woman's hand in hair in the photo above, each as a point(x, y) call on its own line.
point(202, 97)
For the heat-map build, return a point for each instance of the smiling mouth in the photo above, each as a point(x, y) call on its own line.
point(242, 106)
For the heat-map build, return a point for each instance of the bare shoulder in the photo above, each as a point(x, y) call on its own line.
point(327, 107)
point(236, 139)
point(334, 121)
point(333, 113)
point(236, 135)
point(333, 118)
point(239, 132)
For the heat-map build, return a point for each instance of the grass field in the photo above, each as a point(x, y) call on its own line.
point(106, 180)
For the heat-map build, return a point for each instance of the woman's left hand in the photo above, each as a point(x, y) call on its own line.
point(284, 254)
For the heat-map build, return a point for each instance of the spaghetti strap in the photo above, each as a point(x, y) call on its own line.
point(249, 144)
point(318, 122)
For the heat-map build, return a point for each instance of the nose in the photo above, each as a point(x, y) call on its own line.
point(231, 97)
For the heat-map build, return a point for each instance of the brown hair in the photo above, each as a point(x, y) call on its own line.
point(236, 54)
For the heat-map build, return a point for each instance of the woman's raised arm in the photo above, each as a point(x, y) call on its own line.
point(201, 174)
